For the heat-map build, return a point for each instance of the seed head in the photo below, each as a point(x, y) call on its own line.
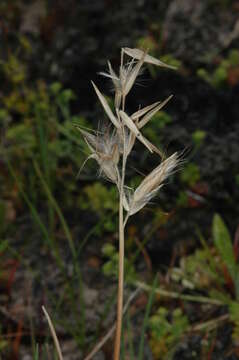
point(149, 187)
point(105, 150)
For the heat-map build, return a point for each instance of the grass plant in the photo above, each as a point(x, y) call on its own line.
point(111, 147)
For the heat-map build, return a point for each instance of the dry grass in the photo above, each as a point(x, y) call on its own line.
point(111, 149)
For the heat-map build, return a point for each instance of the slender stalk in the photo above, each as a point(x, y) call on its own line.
point(121, 268)
point(120, 299)
point(53, 333)
point(107, 152)
point(110, 332)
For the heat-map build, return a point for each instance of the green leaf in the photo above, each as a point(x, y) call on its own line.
point(3, 245)
point(223, 243)
point(146, 318)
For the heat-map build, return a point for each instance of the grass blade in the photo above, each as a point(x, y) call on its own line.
point(130, 336)
point(71, 245)
point(146, 318)
point(223, 243)
point(36, 353)
point(56, 207)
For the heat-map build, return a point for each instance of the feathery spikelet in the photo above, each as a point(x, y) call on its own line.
point(151, 185)
point(105, 150)
point(130, 124)
point(145, 119)
point(137, 54)
point(106, 107)
point(126, 79)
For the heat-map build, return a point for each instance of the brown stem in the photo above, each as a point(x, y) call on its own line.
point(120, 282)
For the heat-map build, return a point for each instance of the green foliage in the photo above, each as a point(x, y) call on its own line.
point(39, 152)
point(170, 60)
point(3, 343)
point(219, 76)
point(204, 269)
point(198, 136)
point(153, 46)
point(110, 268)
point(233, 57)
point(147, 42)
point(223, 244)
point(101, 197)
point(108, 250)
point(147, 318)
point(2, 216)
point(36, 353)
point(196, 271)
point(190, 174)
point(166, 330)
point(222, 3)
point(213, 270)
point(237, 179)
point(182, 199)
point(14, 70)
point(234, 316)
point(43, 131)
point(103, 201)
point(158, 122)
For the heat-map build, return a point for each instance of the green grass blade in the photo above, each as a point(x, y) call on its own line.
point(56, 207)
point(36, 353)
point(42, 132)
point(3, 245)
point(36, 217)
point(223, 243)
point(146, 318)
point(210, 259)
point(32, 208)
point(130, 336)
point(122, 345)
point(71, 246)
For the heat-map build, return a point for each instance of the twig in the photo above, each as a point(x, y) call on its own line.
point(53, 333)
point(211, 324)
point(112, 329)
point(175, 295)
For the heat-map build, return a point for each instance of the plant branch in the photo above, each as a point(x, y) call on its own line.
point(53, 333)
point(175, 295)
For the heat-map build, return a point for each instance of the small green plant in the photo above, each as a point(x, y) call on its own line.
point(213, 270)
point(110, 267)
point(36, 124)
point(198, 137)
point(102, 200)
point(161, 119)
point(237, 179)
point(166, 331)
point(190, 174)
point(219, 77)
point(3, 343)
point(182, 199)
